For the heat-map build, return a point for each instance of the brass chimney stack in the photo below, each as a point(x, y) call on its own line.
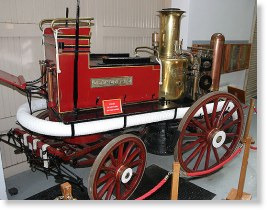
point(169, 31)
point(174, 65)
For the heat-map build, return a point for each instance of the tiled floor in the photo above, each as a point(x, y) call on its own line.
point(29, 183)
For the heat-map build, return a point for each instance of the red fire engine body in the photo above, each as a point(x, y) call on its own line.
point(97, 81)
point(68, 124)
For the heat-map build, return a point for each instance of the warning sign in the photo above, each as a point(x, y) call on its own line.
point(112, 106)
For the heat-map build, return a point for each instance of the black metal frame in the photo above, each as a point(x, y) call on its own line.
point(56, 167)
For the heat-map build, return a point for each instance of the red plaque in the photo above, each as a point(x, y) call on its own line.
point(112, 106)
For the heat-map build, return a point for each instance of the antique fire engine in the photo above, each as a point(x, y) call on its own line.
point(107, 110)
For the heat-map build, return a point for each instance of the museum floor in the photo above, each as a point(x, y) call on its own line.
point(220, 183)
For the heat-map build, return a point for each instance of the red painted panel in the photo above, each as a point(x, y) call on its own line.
point(145, 83)
point(68, 31)
point(145, 79)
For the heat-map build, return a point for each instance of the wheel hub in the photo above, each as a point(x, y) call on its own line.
point(126, 175)
point(218, 138)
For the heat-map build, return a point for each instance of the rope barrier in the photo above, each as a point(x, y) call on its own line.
point(253, 148)
point(164, 180)
point(255, 110)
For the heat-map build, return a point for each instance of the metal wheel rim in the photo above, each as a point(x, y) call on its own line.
point(136, 148)
point(202, 151)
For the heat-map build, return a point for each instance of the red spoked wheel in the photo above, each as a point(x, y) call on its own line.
point(118, 169)
point(209, 132)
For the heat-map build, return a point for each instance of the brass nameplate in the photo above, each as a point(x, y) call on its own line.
point(111, 81)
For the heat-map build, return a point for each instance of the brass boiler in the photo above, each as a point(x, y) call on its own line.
point(174, 66)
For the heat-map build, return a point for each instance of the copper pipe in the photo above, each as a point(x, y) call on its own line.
point(217, 44)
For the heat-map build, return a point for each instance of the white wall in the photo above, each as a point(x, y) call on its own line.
point(184, 6)
point(233, 18)
point(3, 195)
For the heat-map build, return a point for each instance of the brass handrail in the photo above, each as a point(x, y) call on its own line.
point(71, 21)
point(44, 21)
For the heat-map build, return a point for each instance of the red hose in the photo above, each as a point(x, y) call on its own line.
point(164, 180)
point(154, 189)
point(255, 109)
point(216, 167)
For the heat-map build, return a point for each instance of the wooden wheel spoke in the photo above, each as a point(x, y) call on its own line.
point(112, 158)
point(108, 168)
point(127, 151)
point(227, 116)
point(127, 186)
point(132, 156)
point(104, 179)
point(214, 111)
point(216, 154)
point(206, 116)
point(195, 134)
point(135, 163)
point(231, 147)
point(198, 124)
point(110, 191)
point(192, 145)
point(200, 156)
point(225, 147)
point(225, 127)
point(222, 112)
point(105, 188)
point(120, 153)
point(208, 157)
point(196, 151)
point(118, 189)
point(231, 134)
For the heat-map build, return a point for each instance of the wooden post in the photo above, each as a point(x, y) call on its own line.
point(238, 194)
point(175, 180)
point(242, 177)
point(250, 113)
